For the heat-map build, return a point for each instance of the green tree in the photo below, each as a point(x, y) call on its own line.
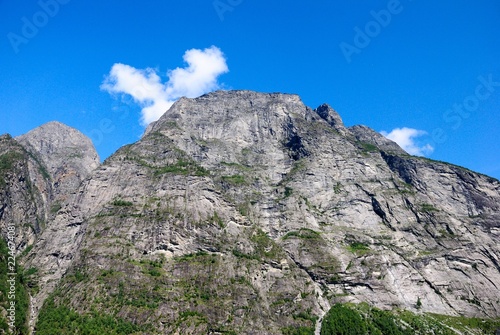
point(342, 320)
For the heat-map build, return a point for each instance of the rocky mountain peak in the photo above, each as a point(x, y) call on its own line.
point(58, 144)
point(68, 155)
point(227, 105)
point(328, 114)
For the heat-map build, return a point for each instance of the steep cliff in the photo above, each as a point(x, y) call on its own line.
point(250, 213)
point(39, 174)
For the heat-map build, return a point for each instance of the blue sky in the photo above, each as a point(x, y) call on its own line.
point(425, 72)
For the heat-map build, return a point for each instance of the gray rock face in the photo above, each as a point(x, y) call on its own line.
point(68, 155)
point(24, 186)
point(328, 114)
point(370, 136)
point(251, 212)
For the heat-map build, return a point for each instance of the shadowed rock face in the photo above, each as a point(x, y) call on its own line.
point(24, 186)
point(240, 211)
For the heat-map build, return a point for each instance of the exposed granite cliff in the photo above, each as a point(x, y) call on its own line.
point(252, 213)
point(68, 155)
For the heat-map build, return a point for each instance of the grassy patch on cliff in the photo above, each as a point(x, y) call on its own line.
point(304, 233)
point(175, 161)
point(363, 319)
point(182, 167)
point(358, 248)
point(234, 179)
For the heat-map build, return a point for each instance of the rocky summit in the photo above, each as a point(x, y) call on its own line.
point(246, 213)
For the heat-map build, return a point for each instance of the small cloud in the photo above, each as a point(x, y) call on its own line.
point(406, 139)
point(155, 98)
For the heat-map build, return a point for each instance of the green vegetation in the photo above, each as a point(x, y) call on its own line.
point(152, 268)
point(234, 179)
point(464, 324)
point(301, 330)
point(8, 160)
point(244, 208)
point(419, 303)
point(428, 208)
point(216, 219)
point(404, 188)
point(121, 203)
point(21, 294)
point(349, 319)
point(55, 207)
point(303, 233)
point(288, 191)
point(240, 254)
point(7, 163)
point(76, 276)
point(358, 248)
point(54, 319)
point(264, 247)
point(192, 256)
point(342, 320)
point(26, 251)
point(182, 167)
point(367, 147)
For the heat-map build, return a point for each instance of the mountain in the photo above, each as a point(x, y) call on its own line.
point(40, 172)
point(248, 213)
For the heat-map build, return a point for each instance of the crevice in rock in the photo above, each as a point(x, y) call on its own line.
point(491, 258)
point(488, 279)
point(377, 208)
point(410, 206)
point(294, 143)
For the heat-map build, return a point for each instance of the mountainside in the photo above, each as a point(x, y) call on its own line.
point(245, 213)
point(40, 172)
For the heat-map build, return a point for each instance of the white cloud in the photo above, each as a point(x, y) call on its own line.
point(406, 138)
point(155, 98)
